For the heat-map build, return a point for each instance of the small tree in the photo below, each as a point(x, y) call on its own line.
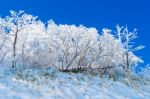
point(14, 24)
point(127, 39)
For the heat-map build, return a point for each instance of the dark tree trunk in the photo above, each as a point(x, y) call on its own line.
point(127, 61)
point(14, 50)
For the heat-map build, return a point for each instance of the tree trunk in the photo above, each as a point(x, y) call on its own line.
point(14, 50)
point(127, 61)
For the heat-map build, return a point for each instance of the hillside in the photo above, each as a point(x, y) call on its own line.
point(34, 84)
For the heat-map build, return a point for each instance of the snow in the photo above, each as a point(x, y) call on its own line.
point(51, 84)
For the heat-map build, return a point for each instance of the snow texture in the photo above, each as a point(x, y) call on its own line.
point(57, 85)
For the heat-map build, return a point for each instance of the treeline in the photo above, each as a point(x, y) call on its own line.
point(27, 42)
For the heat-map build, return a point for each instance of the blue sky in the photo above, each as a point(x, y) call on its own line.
point(91, 13)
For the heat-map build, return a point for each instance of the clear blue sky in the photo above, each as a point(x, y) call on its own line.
point(91, 13)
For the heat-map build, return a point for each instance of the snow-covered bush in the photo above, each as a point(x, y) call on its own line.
point(144, 73)
point(26, 41)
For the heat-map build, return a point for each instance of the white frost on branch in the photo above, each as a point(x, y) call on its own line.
point(64, 46)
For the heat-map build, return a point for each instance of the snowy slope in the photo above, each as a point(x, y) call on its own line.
point(56, 85)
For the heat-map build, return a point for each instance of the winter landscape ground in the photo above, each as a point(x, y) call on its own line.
point(52, 84)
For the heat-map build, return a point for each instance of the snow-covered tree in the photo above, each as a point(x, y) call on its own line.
point(26, 41)
point(127, 39)
point(14, 24)
point(5, 45)
point(70, 44)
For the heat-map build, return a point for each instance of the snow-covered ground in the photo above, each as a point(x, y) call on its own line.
point(34, 84)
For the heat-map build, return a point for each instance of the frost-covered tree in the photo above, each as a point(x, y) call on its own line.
point(127, 39)
point(13, 25)
point(4, 42)
point(145, 72)
point(35, 40)
point(26, 41)
point(70, 45)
